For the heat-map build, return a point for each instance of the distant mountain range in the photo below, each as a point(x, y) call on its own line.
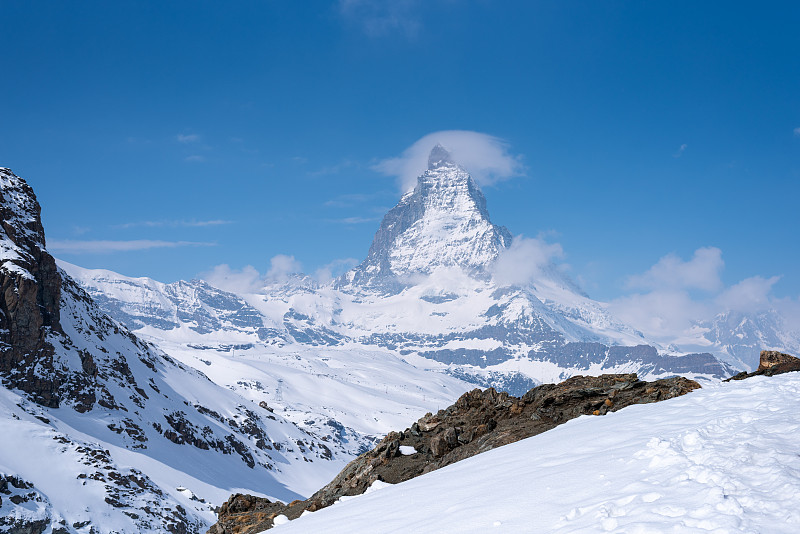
point(437, 289)
point(130, 405)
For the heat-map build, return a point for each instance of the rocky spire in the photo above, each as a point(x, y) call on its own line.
point(442, 222)
point(439, 156)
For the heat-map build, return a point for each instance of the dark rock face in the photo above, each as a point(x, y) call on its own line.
point(30, 291)
point(477, 422)
point(771, 363)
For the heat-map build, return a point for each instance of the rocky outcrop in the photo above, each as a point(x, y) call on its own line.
point(30, 289)
point(478, 421)
point(771, 363)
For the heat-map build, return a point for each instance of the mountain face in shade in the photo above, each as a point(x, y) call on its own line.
point(31, 290)
point(441, 223)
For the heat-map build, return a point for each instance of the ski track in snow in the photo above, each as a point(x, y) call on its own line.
point(725, 459)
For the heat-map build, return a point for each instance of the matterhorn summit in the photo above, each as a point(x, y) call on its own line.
point(441, 223)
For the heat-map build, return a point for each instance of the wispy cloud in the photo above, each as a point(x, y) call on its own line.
point(282, 268)
point(671, 272)
point(681, 150)
point(246, 280)
point(196, 158)
point(174, 224)
point(797, 131)
point(334, 169)
point(347, 201)
point(485, 156)
point(329, 272)
point(107, 247)
point(380, 18)
point(523, 261)
point(80, 230)
point(187, 138)
point(668, 307)
point(353, 220)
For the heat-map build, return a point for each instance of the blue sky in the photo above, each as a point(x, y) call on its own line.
point(164, 139)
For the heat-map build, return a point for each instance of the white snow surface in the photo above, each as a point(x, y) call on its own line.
point(115, 468)
point(453, 230)
point(723, 459)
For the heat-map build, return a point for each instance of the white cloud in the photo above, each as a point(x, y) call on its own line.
point(247, 280)
point(749, 295)
point(671, 272)
point(328, 272)
point(680, 151)
point(797, 131)
point(175, 223)
point(194, 159)
point(524, 260)
point(790, 310)
point(485, 157)
point(281, 267)
point(660, 314)
point(107, 247)
point(187, 138)
point(669, 311)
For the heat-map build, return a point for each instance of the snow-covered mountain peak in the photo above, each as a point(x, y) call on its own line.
point(442, 222)
point(439, 156)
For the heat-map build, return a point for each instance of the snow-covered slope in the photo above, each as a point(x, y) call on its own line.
point(721, 459)
point(103, 432)
point(348, 393)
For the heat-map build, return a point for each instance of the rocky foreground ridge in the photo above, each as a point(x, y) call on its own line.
point(477, 422)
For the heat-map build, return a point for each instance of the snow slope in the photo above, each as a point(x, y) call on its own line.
point(722, 459)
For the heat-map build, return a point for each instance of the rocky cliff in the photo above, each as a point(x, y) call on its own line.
point(31, 291)
point(477, 422)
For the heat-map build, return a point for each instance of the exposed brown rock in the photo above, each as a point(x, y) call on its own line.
point(771, 363)
point(30, 292)
point(773, 358)
point(477, 422)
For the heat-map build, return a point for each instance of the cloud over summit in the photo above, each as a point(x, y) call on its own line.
point(485, 157)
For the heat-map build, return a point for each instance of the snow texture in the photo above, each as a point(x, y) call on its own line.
point(722, 459)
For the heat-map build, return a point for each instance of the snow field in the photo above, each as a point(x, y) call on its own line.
point(724, 459)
